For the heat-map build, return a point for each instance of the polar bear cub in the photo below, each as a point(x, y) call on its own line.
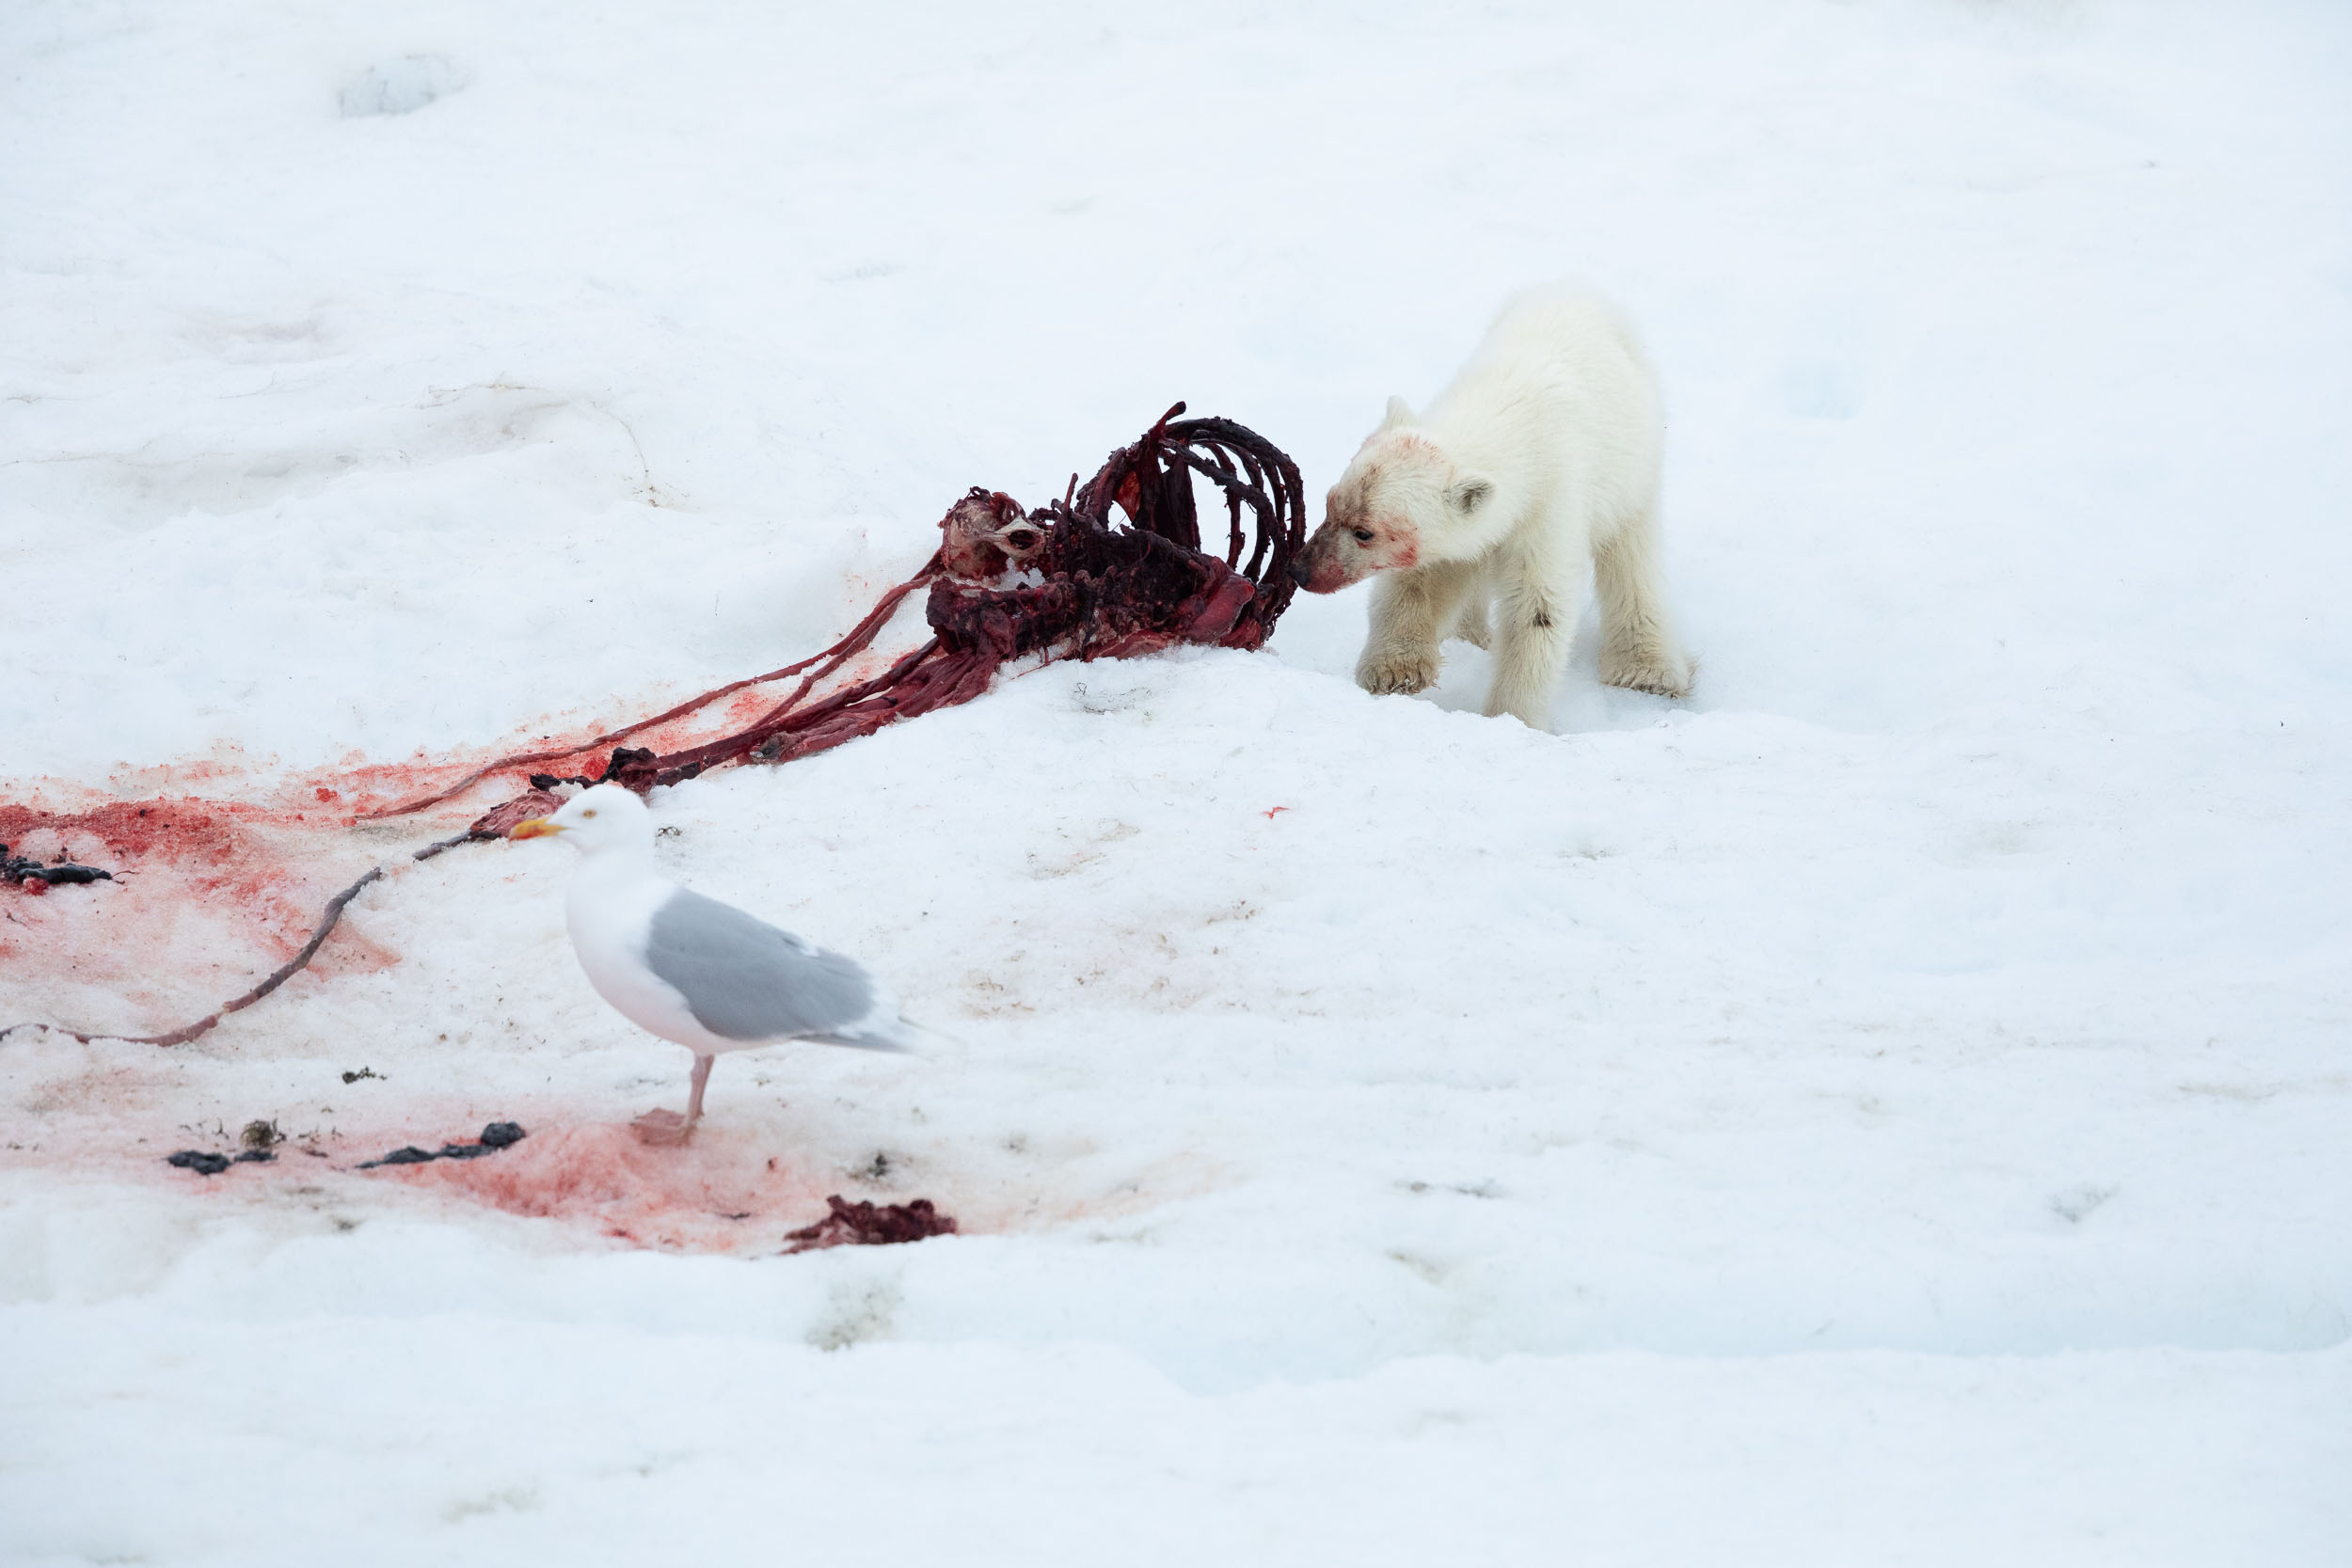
point(1540, 455)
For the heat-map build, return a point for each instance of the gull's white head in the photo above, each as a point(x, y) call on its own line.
point(596, 819)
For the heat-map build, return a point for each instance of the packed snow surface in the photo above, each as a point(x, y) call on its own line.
point(1891, 1108)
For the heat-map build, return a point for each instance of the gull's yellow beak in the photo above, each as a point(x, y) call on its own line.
point(533, 826)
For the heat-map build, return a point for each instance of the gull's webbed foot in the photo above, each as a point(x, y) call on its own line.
point(664, 1128)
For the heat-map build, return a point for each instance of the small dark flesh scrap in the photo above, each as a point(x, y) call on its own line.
point(870, 1224)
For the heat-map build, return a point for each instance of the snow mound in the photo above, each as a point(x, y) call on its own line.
point(401, 86)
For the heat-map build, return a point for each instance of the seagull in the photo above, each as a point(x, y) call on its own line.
point(693, 970)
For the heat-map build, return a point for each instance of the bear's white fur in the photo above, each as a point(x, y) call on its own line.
point(1542, 453)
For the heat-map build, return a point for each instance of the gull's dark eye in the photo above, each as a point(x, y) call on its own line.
point(587, 813)
point(1363, 535)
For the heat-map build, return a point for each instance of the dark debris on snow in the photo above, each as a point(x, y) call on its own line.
point(870, 1224)
point(498, 1135)
point(24, 871)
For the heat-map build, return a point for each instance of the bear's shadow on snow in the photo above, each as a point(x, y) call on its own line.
point(1580, 704)
point(1326, 635)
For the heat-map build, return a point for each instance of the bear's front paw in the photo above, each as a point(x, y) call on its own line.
point(1402, 674)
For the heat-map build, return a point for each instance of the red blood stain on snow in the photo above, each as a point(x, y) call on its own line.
point(223, 869)
point(207, 896)
point(584, 752)
point(191, 831)
point(720, 1193)
point(745, 707)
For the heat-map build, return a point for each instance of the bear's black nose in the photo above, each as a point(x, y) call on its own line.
point(1300, 573)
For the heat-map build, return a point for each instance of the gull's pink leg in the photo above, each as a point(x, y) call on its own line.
point(668, 1127)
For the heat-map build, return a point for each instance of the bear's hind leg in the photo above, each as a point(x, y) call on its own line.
point(1410, 611)
point(1535, 627)
point(1637, 643)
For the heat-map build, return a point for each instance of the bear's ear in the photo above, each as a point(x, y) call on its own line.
point(1398, 413)
point(1468, 492)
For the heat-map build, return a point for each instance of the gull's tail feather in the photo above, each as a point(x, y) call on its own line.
point(901, 1036)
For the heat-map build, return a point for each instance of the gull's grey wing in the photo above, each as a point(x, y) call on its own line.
point(744, 980)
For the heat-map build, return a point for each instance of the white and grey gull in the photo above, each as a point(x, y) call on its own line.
point(693, 970)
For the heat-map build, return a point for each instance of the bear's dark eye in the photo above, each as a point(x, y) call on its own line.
point(1363, 535)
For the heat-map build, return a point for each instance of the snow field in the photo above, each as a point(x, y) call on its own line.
point(1886, 1110)
point(992, 1454)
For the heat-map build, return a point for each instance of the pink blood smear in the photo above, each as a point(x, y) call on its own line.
point(214, 891)
point(207, 896)
point(222, 872)
point(720, 1193)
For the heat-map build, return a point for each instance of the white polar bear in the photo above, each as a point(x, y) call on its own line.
point(1541, 453)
